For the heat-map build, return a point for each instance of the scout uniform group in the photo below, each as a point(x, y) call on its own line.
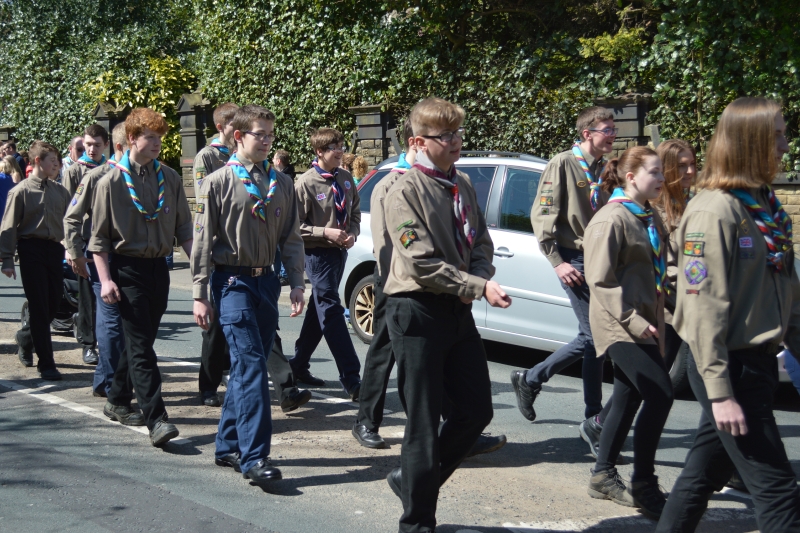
point(646, 267)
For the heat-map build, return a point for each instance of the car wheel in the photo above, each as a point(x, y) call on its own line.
point(679, 373)
point(362, 303)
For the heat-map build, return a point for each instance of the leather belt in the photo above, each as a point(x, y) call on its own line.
point(244, 270)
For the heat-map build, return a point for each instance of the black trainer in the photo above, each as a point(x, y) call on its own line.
point(24, 353)
point(210, 398)
point(296, 398)
point(590, 430)
point(487, 443)
point(162, 433)
point(124, 414)
point(354, 391)
point(90, 356)
point(648, 497)
point(736, 483)
point(525, 394)
point(309, 379)
point(607, 485)
point(368, 438)
point(232, 460)
point(50, 374)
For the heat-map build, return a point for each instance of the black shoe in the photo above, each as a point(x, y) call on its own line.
point(263, 472)
point(736, 483)
point(525, 394)
point(395, 479)
point(90, 356)
point(486, 443)
point(607, 485)
point(50, 374)
point(296, 398)
point(100, 393)
point(367, 437)
point(353, 392)
point(210, 398)
point(231, 461)
point(648, 497)
point(590, 431)
point(123, 414)
point(25, 353)
point(309, 379)
point(162, 433)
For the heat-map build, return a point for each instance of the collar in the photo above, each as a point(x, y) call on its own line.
point(249, 165)
point(424, 160)
point(136, 168)
point(37, 181)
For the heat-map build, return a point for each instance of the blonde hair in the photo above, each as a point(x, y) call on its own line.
point(347, 161)
point(741, 153)
point(436, 114)
point(10, 166)
point(118, 137)
point(360, 167)
point(671, 198)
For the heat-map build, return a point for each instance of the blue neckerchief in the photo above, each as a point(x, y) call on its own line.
point(259, 209)
point(87, 161)
point(124, 166)
point(401, 162)
point(647, 217)
point(216, 143)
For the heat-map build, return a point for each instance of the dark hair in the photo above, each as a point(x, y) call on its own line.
point(225, 113)
point(631, 160)
point(40, 149)
point(96, 130)
point(12, 144)
point(591, 116)
point(246, 115)
point(671, 198)
point(321, 138)
point(283, 155)
point(408, 132)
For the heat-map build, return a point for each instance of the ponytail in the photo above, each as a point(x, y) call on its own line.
point(609, 179)
point(631, 160)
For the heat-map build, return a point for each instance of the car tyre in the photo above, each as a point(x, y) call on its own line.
point(679, 373)
point(362, 304)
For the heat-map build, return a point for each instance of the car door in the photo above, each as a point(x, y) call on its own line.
point(540, 311)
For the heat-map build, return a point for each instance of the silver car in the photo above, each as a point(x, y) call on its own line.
point(541, 316)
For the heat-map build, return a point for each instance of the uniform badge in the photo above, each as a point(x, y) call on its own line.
point(79, 190)
point(695, 272)
point(198, 227)
point(747, 255)
point(546, 201)
point(547, 182)
point(277, 212)
point(694, 248)
point(693, 236)
point(347, 185)
point(166, 210)
point(404, 224)
point(745, 242)
point(545, 210)
point(408, 237)
point(199, 181)
point(548, 191)
point(203, 196)
point(74, 201)
point(201, 208)
point(581, 184)
point(321, 196)
point(692, 291)
point(744, 227)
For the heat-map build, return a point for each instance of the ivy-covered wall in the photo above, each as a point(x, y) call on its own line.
point(521, 69)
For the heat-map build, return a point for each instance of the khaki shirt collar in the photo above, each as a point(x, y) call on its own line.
point(249, 165)
point(136, 168)
point(425, 161)
point(591, 161)
point(38, 182)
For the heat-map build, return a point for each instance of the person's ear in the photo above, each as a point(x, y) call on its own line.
point(237, 136)
point(629, 177)
point(220, 127)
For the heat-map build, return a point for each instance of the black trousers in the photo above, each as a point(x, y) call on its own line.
point(377, 365)
point(87, 309)
point(215, 358)
point(639, 374)
point(144, 284)
point(759, 456)
point(41, 270)
point(438, 351)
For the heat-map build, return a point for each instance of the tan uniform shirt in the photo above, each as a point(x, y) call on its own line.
point(381, 238)
point(316, 209)
point(34, 210)
point(621, 278)
point(563, 208)
point(671, 259)
point(418, 214)
point(74, 175)
point(78, 220)
point(728, 298)
point(208, 160)
point(226, 232)
point(120, 228)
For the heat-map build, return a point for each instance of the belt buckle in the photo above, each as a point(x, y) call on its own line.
point(255, 272)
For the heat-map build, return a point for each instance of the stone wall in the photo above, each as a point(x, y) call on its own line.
point(789, 196)
point(375, 151)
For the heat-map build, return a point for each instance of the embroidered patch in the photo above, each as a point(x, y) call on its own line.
point(198, 227)
point(744, 227)
point(694, 248)
point(166, 210)
point(691, 236)
point(745, 242)
point(277, 212)
point(199, 181)
point(408, 237)
point(548, 191)
point(692, 291)
point(321, 196)
point(201, 171)
point(74, 201)
point(547, 182)
point(472, 232)
point(203, 196)
point(347, 185)
point(404, 224)
point(546, 200)
point(79, 190)
point(695, 272)
point(545, 210)
point(747, 255)
point(201, 208)
point(581, 184)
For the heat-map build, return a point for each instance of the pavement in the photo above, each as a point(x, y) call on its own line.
point(65, 467)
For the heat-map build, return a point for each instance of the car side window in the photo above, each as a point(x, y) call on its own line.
point(519, 194)
point(481, 178)
point(365, 191)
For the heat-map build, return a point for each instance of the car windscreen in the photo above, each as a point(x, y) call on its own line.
point(365, 191)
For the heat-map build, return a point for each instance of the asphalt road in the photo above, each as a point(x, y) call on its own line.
point(64, 467)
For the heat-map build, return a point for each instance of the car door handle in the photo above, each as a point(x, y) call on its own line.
point(503, 252)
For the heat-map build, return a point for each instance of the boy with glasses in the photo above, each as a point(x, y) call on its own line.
point(330, 216)
point(569, 195)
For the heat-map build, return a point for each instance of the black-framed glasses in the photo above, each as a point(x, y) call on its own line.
point(447, 136)
point(261, 137)
point(608, 132)
point(334, 148)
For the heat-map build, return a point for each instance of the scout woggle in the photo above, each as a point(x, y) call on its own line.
point(655, 241)
point(124, 165)
point(777, 229)
point(594, 187)
point(259, 209)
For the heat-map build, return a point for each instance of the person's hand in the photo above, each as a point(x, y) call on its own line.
point(203, 313)
point(349, 241)
point(337, 236)
point(496, 296)
point(729, 416)
point(10, 272)
point(569, 275)
point(298, 301)
point(109, 292)
point(79, 267)
point(651, 331)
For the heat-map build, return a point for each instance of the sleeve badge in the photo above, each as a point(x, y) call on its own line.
point(694, 248)
point(546, 201)
point(695, 272)
point(408, 237)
